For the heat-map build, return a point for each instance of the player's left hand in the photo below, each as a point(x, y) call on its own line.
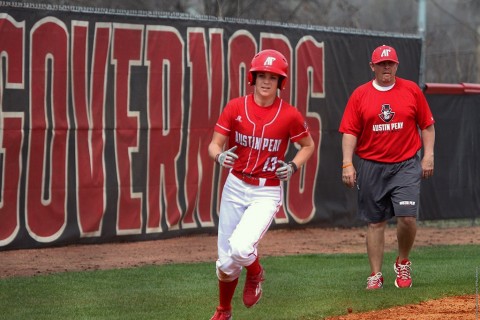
point(285, 171)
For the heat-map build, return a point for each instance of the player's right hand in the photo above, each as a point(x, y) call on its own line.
point(227, 158)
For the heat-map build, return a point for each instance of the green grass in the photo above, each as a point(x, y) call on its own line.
point(297, 287)
point(450, 223)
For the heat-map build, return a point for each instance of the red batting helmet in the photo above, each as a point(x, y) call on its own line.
point(269, 61)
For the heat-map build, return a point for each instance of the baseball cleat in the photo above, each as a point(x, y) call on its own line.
point(403, 271)
point(252, 292)
point(375, 281)
point(221, 314)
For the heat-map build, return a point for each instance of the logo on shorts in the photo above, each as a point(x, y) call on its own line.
point(407, 203)
point(387, 114)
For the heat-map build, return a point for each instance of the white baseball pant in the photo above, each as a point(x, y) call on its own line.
point(246, 213)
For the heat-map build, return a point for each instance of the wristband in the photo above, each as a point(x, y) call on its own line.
point(347, 165)
point(294, 166)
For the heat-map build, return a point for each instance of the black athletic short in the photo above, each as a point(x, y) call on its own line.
point(388, 189)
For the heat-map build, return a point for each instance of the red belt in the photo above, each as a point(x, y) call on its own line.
point(256, 181)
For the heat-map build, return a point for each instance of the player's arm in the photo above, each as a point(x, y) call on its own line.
point(307, 147)
point(349, 174)
point(286, 170)
point(428, 140)
point(216, 145)
point(215, 151)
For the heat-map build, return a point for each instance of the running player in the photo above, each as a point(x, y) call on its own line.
point(257, 129)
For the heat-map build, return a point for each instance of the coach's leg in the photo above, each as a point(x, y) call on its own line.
point(406, 232)
point(375, 245)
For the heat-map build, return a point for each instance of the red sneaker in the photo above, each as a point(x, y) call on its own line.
point(375, 281)
point(403, 271)
point(252, 292)
point(221, 314)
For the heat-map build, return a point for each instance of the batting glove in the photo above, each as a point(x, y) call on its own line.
point(286, 170)
point(227, 158)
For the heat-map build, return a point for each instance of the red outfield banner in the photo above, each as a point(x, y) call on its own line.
point(106, 119)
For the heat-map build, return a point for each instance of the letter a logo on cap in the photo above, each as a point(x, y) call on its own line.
point(269, 61)
point(385, 53)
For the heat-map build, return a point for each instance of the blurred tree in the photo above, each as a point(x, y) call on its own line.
point(452, 32)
